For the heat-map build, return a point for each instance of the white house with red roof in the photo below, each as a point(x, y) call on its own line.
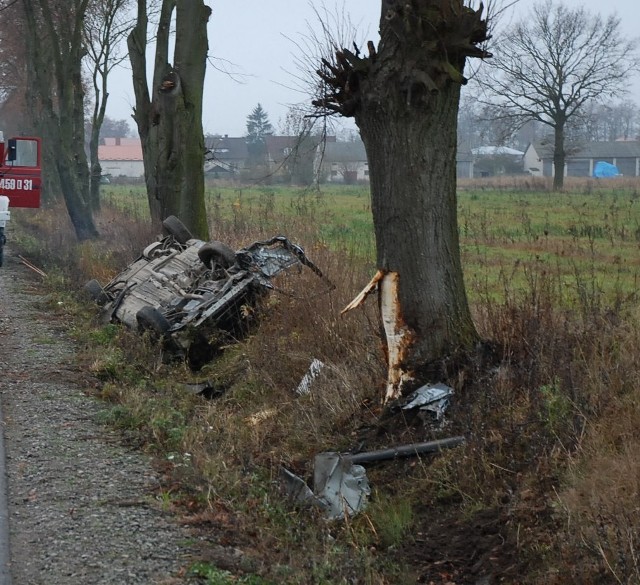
point(121, 157)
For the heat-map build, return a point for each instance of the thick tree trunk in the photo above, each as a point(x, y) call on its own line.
point(412, 165)
point(170, 122)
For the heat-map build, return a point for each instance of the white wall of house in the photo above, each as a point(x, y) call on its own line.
point(532, 164)
point(123, 168)
point(339, 169)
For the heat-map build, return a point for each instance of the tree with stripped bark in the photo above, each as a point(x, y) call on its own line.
point(404, 96)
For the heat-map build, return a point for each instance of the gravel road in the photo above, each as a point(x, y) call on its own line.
point(81, 505)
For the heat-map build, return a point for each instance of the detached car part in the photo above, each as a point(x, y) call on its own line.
point(180, 285)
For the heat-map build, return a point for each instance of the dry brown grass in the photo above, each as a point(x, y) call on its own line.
point(545, 491)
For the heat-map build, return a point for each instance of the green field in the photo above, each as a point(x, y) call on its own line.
point(585, 242)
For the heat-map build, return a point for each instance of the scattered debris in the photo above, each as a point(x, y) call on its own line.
point(312, 373)
point(260, 416)
point(433, 398)
point(33, 267)
point(181, 285)
point(296, 488)
point(340, 483)
point(207, 389)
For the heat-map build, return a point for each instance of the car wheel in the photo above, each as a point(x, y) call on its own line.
point(150, 319)
point(218, 253)
point(96, 293)
point(177, 229)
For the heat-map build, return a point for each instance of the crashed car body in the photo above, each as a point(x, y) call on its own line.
point(180, 283)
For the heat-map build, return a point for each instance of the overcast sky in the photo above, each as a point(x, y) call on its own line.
point(256, 40)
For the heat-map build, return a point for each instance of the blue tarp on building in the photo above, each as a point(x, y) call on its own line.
point(603, 170)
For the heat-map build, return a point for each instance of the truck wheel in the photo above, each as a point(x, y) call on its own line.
point(150, 319)
point(177, 229)
point(218, 253)
point(96, 293)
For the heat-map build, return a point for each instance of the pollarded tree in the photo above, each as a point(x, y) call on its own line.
point(548, 66)
point(169, 115)
point(404, 97)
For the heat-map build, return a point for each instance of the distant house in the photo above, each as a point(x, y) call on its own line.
point(285, 156)
point(292, 157)
point(465, 165)
point(581, 160)
point(346, 162)
point(496, 160)
point(121, 157)
point(225, 155)
point(342, 162)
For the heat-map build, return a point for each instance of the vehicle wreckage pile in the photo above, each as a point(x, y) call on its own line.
point(186, 290)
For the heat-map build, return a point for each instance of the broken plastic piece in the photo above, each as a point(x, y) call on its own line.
point(312, 373)
point(296, 487)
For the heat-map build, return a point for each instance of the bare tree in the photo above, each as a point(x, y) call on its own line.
point(607, 121)
point(404, 97)
point(106, 25)
point(548, 66)
point(169, 115)
point(55, 95)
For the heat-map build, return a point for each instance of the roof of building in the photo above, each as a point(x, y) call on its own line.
point(121, 149)
point(594, 150)
point(225, 148)
point(279, 147)
point(496, 151)
point(344, 152)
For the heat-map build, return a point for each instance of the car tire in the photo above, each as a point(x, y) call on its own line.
point(150, 319)
point(177, 229)
point(96, 293)
point(218, 253)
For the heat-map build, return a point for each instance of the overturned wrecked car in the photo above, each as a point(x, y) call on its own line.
point(189, 292)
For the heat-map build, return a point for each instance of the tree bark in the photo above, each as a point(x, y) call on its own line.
point(56, 49)
point(404, 98)
point(170, 119)
point(559, 155)
point(412, 166)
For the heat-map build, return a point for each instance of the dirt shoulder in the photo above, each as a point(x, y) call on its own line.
point(82, 507)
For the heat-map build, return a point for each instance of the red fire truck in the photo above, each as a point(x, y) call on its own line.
point(20, 177)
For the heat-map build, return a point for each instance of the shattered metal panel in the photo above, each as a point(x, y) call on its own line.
point(432, 398)
point(342, 486)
